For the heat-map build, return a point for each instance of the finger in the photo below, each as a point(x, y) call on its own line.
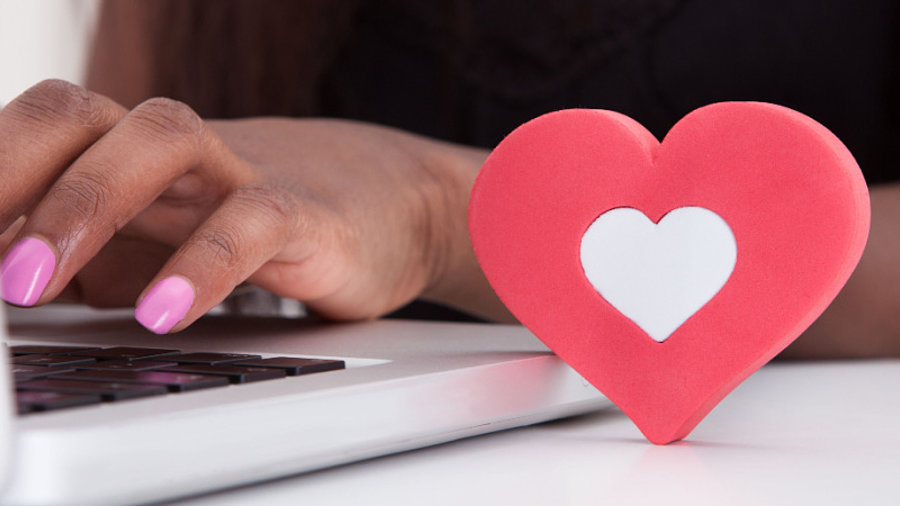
point(131, 262)
point(8, 236)
point(41, 132)
point(252, 226)
point(117, 177)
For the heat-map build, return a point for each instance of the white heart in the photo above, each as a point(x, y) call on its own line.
point(658, 275)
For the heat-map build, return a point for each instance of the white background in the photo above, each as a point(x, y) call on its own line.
point(41, 39)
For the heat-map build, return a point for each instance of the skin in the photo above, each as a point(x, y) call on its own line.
point(864, 319)
point(294, 206)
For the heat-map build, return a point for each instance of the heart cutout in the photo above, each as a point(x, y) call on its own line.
point(790, 192)
point(658, 274)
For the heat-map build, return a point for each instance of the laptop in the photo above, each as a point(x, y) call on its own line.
point(398, 385)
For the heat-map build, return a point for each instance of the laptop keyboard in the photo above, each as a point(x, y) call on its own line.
point(56, 377)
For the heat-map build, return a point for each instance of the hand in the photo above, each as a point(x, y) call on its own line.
point(108, 206)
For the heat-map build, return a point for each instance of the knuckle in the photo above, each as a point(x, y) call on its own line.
point(168, 120)
point(55, 100)
point(82, 194)
point(221, 243)
point(270, 201)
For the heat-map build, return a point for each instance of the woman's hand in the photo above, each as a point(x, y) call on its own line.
point(107, 206)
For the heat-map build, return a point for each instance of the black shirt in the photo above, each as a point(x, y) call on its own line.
point(471, 71)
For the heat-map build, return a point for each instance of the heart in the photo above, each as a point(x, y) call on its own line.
point(789, 191)
point(658, 275)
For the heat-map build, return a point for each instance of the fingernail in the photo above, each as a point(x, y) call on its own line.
point(25, 271)
point(165, 304)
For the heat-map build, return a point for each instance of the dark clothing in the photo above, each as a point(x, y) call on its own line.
point(471, 71)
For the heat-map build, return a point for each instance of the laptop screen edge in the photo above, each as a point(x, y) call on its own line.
point(6, 405)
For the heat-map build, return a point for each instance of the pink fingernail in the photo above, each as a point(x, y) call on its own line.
point(165, 304)
point(26, 270)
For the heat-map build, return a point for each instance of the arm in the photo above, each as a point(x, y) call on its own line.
point(864, 319)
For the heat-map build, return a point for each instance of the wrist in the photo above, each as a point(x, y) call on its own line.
point(456, 278)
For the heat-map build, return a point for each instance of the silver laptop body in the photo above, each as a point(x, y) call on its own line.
point(407, 385)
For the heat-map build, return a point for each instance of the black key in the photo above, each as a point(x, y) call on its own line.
point(33, 400)
point(234, 374)
point(50, 360)
point(126, 365)
point(51, 371)
point(38, 370)
point(126, 353)
point(30, 372)
point(210, 358)
point(43, 349)
point(175, 382)
point(19, 377)
point(296, 366)
point(108, 391)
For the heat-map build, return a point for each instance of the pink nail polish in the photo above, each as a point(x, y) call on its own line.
point(165, 304)
point(26, 270)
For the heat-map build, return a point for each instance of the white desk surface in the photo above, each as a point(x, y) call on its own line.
point(794, 433)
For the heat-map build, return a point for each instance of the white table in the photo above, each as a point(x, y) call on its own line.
point(794, 433)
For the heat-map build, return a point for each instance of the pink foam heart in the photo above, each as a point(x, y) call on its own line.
point(791, 193)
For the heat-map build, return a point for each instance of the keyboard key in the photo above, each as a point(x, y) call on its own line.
point(30, 372)
point(175, 382)
point(33, 400)
point(296, 366)
point(126, 353)
point(19, 377)
point(37, 369)
point(108, 391)
point(126, 365)
point(50, 360)
point(210, 358)
point(234, 374)
point(26, 349)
